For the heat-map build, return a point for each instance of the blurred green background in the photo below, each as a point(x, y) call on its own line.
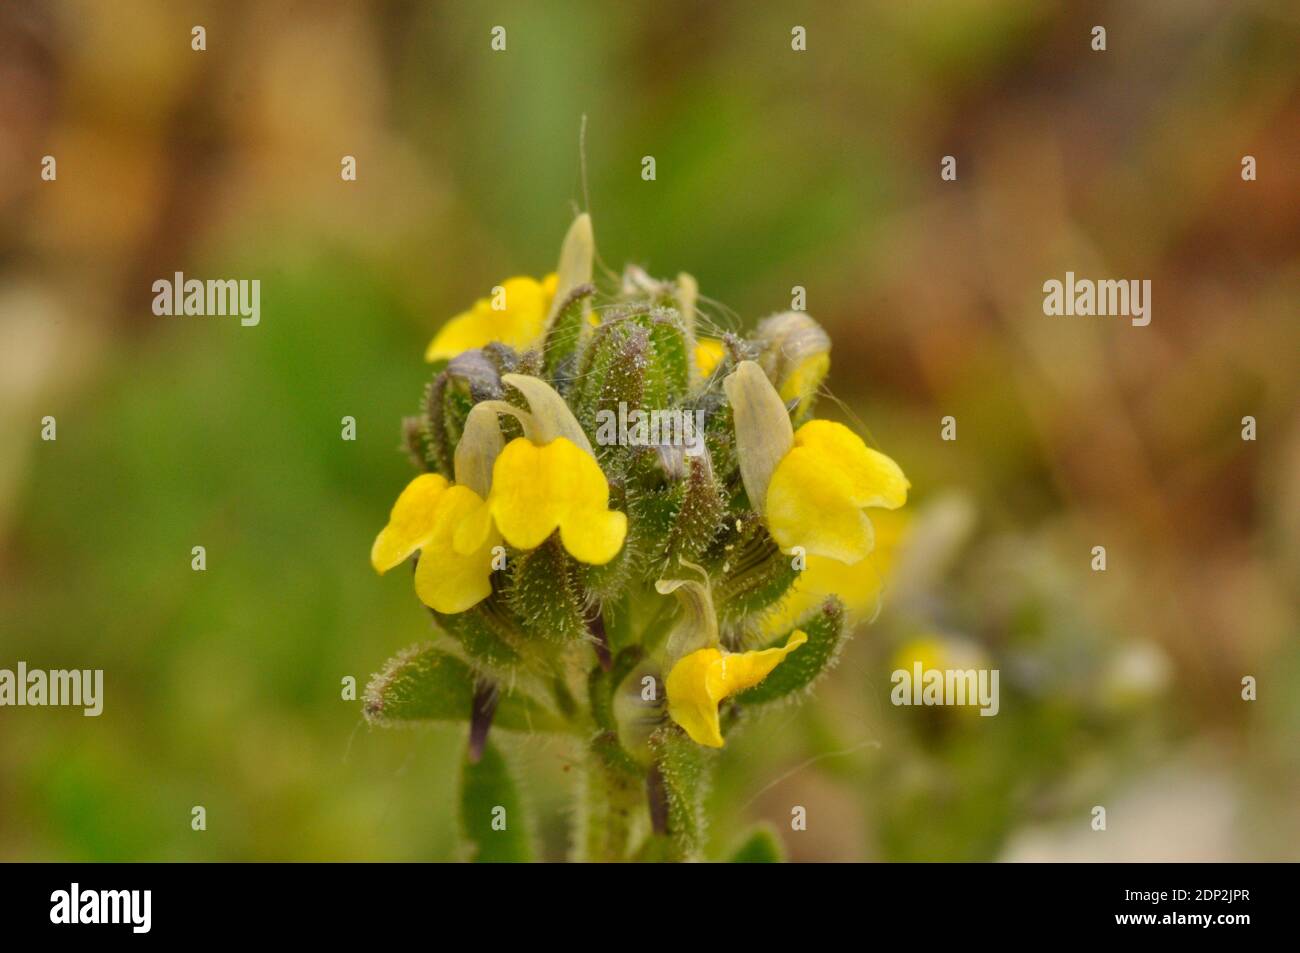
point(774, 169)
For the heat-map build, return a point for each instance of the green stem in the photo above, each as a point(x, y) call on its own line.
point(611, 810)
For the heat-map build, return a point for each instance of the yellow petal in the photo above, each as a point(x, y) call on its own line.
point(708, 354)
point(473, 524)
point(539, 489)
point(550, 284)
point(858, 585)
point(806, 377)
point(817, 492)
point(596, 538)
point(450, 578)
point(411, 523)
point(810, 504)
point(518, 324)
point(690, 702)
point(876, 479)
point(701, 680)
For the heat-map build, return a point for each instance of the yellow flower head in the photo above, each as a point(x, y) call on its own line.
point(701, 680)
point(514, 315)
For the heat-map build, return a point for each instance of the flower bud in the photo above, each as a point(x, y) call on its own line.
point(796, 356)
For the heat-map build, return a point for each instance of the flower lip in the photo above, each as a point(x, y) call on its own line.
point(519, 322)
point(537, 489)
point(411, 522)
point(700, 681)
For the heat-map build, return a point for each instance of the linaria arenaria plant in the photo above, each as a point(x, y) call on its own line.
point(628, 534)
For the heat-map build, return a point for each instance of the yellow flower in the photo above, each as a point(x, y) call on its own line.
point(699, 681)
point(857, 585)
point(449, 526)
point(820, 487)
point(522, 306)
point(810, 486)
point(709, 352)
point(537, 489)
point(546, 480)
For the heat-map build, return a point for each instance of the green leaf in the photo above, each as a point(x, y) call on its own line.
point(425, 684)
point(825, 630)
point(490, 636)
point(493, 818)
point(419, 683)
point(761, 845)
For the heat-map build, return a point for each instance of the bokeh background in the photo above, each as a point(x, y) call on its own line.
point(775, 168)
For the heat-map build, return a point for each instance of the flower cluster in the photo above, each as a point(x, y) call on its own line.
point(642, 598)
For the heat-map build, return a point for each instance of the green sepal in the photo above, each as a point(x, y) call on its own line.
point(699, 515)
point(415, 441)
point(568, 328)
point(610, 582)
point(672, 355)
point(826, 631)
point(486, 790)
point(760, 846)
point(618, 362)
point(751, 571)
point(546, 594)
